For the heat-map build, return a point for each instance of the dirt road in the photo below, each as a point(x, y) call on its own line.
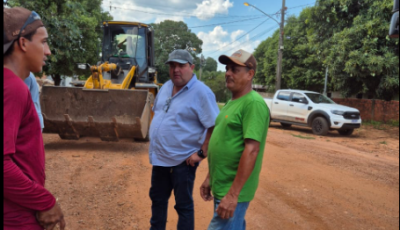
point(307, 182)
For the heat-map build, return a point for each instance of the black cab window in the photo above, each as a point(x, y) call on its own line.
point(299, 98)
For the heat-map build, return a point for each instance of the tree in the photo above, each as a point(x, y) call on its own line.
point(302, 68)
point(216, 82)
point(363, 57)
point(211, 65)
point(171, 35)
point(74, 29)
point(348, 36)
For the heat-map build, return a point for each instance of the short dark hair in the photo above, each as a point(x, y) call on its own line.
point(11, 49)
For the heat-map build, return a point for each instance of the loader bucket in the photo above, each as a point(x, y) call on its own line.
point(108, 114)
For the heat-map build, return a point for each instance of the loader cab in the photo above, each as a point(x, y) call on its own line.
point(129, 44)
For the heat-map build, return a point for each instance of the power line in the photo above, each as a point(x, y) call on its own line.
point(256, 36)
point(175, 14)
point(241, 36)
point(192, 27)
point(219, 24)
point(294, 7)
point(216, 24)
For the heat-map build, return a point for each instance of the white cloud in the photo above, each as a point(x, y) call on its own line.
point(160, 10)
point(208, 8)
point(150, 11)
point(221, 40)
point(214, 39)
point(236, 34)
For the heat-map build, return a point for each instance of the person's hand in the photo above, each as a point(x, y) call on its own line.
point(227, 207)
point(205, 190)
point(193, 159)
point(49, 219)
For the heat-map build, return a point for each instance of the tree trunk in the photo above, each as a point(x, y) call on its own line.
point(56, 79)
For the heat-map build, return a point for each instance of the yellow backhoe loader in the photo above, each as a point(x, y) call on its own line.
point(117, 98)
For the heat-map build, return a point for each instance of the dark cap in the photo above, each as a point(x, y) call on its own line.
point(180, 56)
point(15, 19)
point(241, 58)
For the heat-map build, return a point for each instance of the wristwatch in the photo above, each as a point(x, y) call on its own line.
point(200, 153)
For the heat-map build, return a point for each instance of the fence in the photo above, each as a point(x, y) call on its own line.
point(374, 110)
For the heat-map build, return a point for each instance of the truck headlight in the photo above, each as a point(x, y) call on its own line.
point(338, 112)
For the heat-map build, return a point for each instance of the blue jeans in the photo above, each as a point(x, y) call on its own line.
point(165, 179)
point(237, 222)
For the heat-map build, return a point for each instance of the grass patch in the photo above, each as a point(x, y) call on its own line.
point(303, 137)
point(394, 123)
point(376, 124)
point(383, 143)
point(382, 125)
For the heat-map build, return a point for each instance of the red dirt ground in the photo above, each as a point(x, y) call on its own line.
point(322, 183)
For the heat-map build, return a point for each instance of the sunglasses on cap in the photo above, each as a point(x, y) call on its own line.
point(33, 17)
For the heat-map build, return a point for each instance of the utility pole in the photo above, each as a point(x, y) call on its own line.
point(326, 82)
point(281, 47)
point(201, 65)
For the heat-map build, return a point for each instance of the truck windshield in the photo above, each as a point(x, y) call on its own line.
point(319, 98)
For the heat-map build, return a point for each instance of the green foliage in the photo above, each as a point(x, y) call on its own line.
point(349, 37)
point(394, 123)
point(211, 65)
point(302, 68)
point(168, 36)
point(74, 32)
point(216, 82)
point(304, 137)
point(381, 125)
point(82, 77)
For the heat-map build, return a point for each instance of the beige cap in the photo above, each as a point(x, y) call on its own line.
point(241, 58)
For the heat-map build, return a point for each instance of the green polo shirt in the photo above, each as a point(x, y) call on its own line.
point(240, 119)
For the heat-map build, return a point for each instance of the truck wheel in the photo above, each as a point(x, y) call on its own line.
point(346, 132)
point(320, 126)
point(285, 125)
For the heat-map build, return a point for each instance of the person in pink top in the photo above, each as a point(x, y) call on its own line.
point(27, 204)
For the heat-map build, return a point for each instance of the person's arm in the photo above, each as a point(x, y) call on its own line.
point(205, 189)
point(34, 89)
point(192, 160)
point(207, 141)
point(247, 162)
point(19, 189)
point(207, 113)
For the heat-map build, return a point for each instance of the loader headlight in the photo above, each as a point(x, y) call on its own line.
point(338, 112)
point(152, 70)
point(82, 66)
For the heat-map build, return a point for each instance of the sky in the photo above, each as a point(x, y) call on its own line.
point(225, 26)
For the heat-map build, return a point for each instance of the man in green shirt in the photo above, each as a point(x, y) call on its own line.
point(236, 147)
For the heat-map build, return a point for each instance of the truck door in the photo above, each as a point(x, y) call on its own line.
point(298, 108)
point(281, 105)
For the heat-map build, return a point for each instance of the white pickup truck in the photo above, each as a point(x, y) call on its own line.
point(311, 109)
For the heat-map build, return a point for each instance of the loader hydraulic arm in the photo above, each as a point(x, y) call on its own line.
point(97, 75)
